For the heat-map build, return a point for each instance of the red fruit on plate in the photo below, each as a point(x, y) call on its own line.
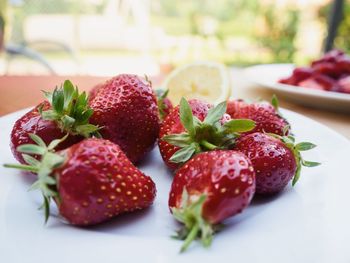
point(344, 84)
point(311, 83)
point(330, 57)
point(194, 127)
point(266, 116)
point(208, 189)
point(298, 75)
point(343, 64)
point(64, 112)
point(329, 69)
point(327, 83)
point(164, 104)
point(91, 181)
point(276, 160)
point(126, 107)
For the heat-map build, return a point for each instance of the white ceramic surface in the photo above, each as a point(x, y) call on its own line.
point(307, 223)
point(269, 74)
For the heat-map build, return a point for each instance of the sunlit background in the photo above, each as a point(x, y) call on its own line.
point(105, 37)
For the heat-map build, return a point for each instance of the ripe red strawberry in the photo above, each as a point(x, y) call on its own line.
point(126, 109)
point(91, 181)
point(194, 127)
point(94, 91)
point(164, 104)
point(276, 160)
point(208, 189)
point(64, 111)
point(266, 116)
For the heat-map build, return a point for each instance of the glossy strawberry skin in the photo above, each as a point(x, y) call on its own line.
point(173, 125)
point(265, 116)
point(94, 91)
point(32, 122)
point(226, 177)
point(126, 108)
point(97, 182)
point(274, 163)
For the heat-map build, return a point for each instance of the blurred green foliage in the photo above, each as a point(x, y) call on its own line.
point(342, 40)
point(269, 33)
point(279, 33)
point(63, 6)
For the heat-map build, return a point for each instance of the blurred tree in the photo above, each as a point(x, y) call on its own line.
point(278, 32)
point(342, 41)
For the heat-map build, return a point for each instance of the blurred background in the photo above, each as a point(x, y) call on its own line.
point(105, 37)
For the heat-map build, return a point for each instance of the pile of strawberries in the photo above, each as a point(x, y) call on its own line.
point(84, 150)
point(330, 73)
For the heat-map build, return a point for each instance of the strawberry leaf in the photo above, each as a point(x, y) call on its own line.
point(31, 149)
point(216, 113)
point(289, 141)
point(183, 154)
point(179, 140)
point(238, 125)
point(207, 135)
point(69, 109)
point(58, 100)
point(190, 214)
point(87, 129)
point(310, 164)
point(68, 93)
point(30, 160)
point(296, 176)
point(305, 146)
point(46, 182)
point(186, 117)
point(275, 103)
point(37, 140)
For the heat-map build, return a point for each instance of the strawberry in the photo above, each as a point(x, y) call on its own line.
point(126, 107)
point(64, 112)
point(266, 116)
point(208, 189)
point(276, 159)
point(299, 74)
point(94, 91)
point(194, 127)
point(91, 181)
point(164, 104)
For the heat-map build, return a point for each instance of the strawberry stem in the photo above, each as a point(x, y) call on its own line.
point(210, 133)
point(208, 145)
point(191, 236)
point(70, 110)
point(44, 168)
point(195, 226)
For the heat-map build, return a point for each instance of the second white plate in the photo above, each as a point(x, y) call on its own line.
point(269, 74)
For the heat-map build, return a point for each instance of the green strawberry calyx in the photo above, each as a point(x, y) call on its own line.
point(161, 95)
point(44, 168)
point(194, 225)
point(296, 148)
point(210, 134)
point(70, 110)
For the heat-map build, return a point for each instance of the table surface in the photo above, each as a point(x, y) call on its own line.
point(18, 92)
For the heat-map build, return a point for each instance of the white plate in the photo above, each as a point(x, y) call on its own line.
point(307, 223)
point(268, 76)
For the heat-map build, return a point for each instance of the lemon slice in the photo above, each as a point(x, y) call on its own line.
point(206, 81)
